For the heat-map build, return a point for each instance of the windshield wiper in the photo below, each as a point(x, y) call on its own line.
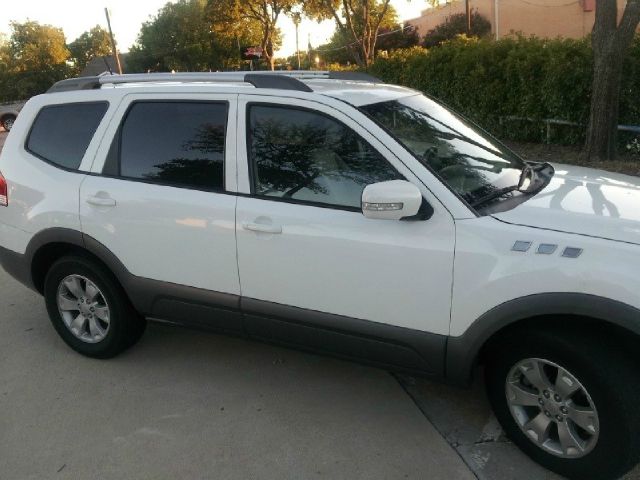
point(530, 181)
point(494, 195)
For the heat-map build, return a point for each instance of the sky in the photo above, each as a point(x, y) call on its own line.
point(77, 16)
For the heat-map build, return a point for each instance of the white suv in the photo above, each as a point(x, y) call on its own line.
point(338, 214)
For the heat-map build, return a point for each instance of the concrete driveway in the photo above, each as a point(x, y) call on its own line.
point(187, 404)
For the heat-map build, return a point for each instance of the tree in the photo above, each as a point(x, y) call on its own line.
point(232, 30)
point(456, 25)
point(91, 44)
point(33, 59)
point(391, 35)
point(610, 41)
point(193, 35)
point(178, 38)
point(265, 13)
point(357, 20)
point(37, 47)
point(4, 53)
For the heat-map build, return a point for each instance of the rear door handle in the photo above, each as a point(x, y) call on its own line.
point(101, 200)
point(260, 227)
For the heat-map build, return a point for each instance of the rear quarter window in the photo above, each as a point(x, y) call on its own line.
point(60, 134)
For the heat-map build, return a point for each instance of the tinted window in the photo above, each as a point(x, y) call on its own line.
point(62, 133)
point(469, 161)
point(175, 143)
point(302, 155)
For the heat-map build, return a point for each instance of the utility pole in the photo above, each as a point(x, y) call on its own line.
point(113, 42)
point(295, 16)
point(496, 18)
point(467, 7)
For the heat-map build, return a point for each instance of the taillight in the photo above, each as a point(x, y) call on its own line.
point(4, 192)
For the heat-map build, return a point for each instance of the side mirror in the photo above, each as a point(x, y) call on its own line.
point(392, 200)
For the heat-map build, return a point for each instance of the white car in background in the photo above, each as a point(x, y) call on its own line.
point(335, 213)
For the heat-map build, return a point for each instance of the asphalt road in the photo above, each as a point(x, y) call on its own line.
point(188, 404)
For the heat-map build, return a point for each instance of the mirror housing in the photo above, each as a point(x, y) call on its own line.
point(392, 200)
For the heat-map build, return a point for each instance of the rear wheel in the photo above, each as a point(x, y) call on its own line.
point(89, 309)
point(7, 122)
point(568, 401)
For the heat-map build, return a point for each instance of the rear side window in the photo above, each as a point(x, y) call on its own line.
point(173, 143)
point(61, 133)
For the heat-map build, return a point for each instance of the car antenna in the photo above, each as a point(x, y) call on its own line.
point(104, 59)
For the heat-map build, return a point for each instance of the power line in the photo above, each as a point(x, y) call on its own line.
point(408, 27)
point(550, 6)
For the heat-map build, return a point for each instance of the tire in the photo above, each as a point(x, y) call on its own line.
point(7, 122)
point(109, 331)
point(609, 379)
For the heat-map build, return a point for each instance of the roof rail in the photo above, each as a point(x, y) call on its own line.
point(82, 83)
point(357, 76)
point(284, 80)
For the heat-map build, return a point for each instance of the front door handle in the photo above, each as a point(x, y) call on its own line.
point(261, 227)
point(101, 199)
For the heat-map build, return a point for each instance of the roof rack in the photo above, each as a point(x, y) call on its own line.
point(283, 80)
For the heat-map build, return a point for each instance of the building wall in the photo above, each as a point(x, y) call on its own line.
point(542, 18)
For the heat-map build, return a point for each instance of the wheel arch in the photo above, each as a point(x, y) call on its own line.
point(49, 245)
point(545, 310)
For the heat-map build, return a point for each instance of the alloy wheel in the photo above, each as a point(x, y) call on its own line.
point(552, 408)
point(83, 308)
point(8, 124)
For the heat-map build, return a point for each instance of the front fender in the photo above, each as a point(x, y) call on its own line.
point(462, 351)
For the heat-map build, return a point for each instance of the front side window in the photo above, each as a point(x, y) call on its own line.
point(180, 144)
point(305, 156)
point(469, 161)
point(61, 133)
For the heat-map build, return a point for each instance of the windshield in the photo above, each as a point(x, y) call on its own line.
point(467, 159)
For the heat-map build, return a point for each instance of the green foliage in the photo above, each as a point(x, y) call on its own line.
point(521, 77)
point(357, 26)
point(456, 25)
point(31, 60)
point(34, 46)
point(192, 35)
point(395, 37)
point(91, 44)
point(177, 38)
point(390, 36)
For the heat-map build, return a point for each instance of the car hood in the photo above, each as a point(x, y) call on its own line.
point(585, 201)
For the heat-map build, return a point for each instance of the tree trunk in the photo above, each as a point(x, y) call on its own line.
point(356, 55)
point(602, 132)
point(610, 43)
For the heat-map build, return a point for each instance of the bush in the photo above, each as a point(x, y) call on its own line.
point(523, 77)
point(457, 25)
point(25, 84)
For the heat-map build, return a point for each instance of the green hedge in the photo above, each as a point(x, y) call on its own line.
point(522, 77)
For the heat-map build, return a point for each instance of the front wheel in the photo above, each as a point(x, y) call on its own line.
point(89, 309)
point(568, 401)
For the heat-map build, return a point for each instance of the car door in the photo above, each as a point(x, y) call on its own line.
point(307, 256)
point(162, 199)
